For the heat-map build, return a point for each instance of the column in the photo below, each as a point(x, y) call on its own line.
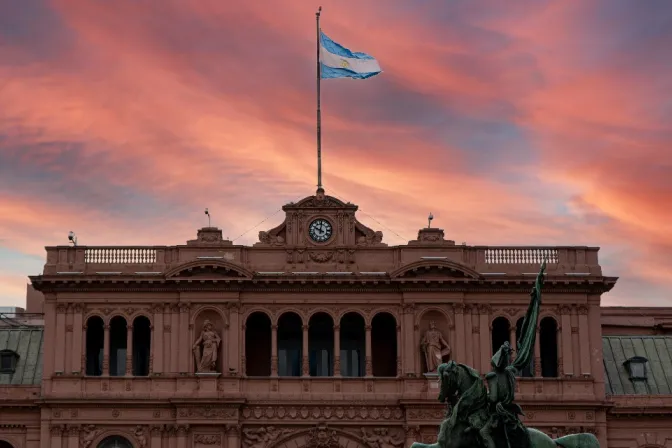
point(243, 364)
point(274, 350)
point(537, 354)
point(584, 336)
point(235, 337)
point(157, 343)
point(73, 436)
point(59, 364)
point(56, 436)
point(182, 436)
point(568, 362)
point(49, 339)
point(399, 372)
point(337, 350)
point(596, 346)
point(486, 337)
point(184, 350)
point(78, 336)
point(174, 334)
point(512, 341)
point(106, 349)
point(68, 340)
point(409, 352)
point(167, 342)
point(233, 436)
point(305, 368)
point(369, 365)
point(155, 436)
point(129, 349)
point(576, 350)
point(459, 344)
point(468, 337)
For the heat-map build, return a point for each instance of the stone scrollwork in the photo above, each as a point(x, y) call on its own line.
point(208, 439)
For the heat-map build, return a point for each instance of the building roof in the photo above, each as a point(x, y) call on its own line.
point(656, 349)
point(27, 342)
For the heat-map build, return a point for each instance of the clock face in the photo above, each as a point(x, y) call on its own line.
point(320, 230)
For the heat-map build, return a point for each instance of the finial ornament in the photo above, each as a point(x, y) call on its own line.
point(429, 220)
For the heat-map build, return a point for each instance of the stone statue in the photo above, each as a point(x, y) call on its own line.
point(262, 437)
point(380, 438)
point(434, 346)
point(487, 417)
point(206, 359)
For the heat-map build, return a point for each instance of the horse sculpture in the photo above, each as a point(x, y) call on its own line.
point(487, 417)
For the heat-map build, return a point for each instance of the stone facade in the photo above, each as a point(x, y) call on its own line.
point(319, 335)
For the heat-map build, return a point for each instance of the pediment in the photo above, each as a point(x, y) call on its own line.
point(319, 201)
point(434, 269)
point(211, 270)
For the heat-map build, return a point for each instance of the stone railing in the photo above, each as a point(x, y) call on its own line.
point(120, 255)
point(510, 260)
point(521, 255)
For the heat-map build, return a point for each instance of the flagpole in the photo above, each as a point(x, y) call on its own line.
point(319, 112)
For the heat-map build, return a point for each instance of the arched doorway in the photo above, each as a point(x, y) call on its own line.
point(115, 442)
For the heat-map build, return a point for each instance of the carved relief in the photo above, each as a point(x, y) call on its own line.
point(324, 413)
point(86, 436)
point(382, 438)
point(322, 437)
point(270, 239)
point(262, 437)
point(206, 348)
point(320, 257)
point(208, 439)
point(207, 412)
point(140, 436)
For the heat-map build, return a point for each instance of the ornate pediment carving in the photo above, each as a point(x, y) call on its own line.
point(209, 236)
point(434, 269)
point(365, 236)
point(277, 236)
point(211, 270)
point(431, 236)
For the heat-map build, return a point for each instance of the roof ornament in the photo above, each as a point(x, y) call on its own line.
point(429, 219)
point(208, 213)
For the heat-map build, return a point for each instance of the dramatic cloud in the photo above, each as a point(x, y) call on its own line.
point(535, 123)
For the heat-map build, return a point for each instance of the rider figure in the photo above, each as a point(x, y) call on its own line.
point(501, 387)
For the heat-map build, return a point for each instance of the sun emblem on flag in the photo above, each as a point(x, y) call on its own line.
point(344, 63)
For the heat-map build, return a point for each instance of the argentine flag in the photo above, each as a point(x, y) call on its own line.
point(336, 61)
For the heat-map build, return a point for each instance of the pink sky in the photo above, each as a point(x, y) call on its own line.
point(536, 123)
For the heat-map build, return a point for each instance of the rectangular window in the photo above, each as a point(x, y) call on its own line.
point(6, 363)
point(350, 365)
point(289, 362)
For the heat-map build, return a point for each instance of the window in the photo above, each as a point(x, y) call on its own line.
point(8, 360)
point(636, 367)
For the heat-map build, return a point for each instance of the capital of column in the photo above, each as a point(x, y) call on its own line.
point(304, 327)
point(367, 328)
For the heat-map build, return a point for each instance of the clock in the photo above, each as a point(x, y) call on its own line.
point(320, 230)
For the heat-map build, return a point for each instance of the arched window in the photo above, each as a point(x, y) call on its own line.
point(258, 345)
point(548, 347)
point(384, 345)
point(5, 444)
point(500, 333)
point(321, 345)
point(95, 339)
point(115, 442)
point(353, 345)
point(142, 341)
point(118, 346)
point(290, 344)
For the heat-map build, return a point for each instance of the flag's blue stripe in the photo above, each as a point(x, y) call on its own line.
point(339, 50)
point(331, 72)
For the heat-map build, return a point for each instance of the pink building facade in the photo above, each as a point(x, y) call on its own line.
point(319, 335)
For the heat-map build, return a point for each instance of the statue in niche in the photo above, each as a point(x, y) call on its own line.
point(206, 359)
point(484, 413)
point(434, 346)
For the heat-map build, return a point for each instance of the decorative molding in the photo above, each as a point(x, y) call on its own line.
point(208, 439)
point(321, 412)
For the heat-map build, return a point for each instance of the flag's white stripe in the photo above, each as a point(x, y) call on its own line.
point(356, 65)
